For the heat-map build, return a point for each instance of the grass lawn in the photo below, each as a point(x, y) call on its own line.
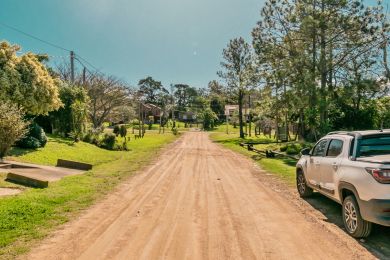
point(35, 212)
point(60, 148)
point(283, 168)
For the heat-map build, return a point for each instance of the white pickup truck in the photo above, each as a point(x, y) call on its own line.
point(352, 168)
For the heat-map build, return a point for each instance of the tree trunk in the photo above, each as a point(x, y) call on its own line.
point(240, 106)
point(323, 72)
point(250, 115)
point(312, 88)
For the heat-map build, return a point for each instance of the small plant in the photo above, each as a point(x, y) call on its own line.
point(109, 141)
point(76, 136)
point(123, 131)
point(117, 130)
point(175, 131)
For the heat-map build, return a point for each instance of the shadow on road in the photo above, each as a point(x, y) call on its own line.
point(377, 243)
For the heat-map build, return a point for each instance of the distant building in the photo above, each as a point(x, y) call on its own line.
point(149, 110)
point(230, 109)
point(187, 116)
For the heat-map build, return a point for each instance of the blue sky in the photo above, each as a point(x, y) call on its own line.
point(175, 41)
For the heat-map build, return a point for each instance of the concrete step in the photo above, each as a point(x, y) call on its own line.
point(27, 179)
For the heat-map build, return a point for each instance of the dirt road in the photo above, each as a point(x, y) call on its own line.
point(198, 201)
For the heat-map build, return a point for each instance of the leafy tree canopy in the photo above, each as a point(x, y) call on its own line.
point(26, 82)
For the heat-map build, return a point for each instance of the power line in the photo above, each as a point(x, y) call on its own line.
point(82, 64)
point(53, 45)
point(34, 37)
point(87, 62)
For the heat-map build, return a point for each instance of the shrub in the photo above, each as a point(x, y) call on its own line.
point(92, 137)
point(292, 149)
point(175, 131)
point(34, 132)
point(29, 142)
point(12, 127)
point(283, 148)
point(109, 141)
point(116, 130)
point(37, 132)
point(34, 135)
point(208, 118)
point(123, 131)
point(88, 137)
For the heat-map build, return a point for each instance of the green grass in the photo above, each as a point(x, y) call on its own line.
point(35, 212)
point(60, 148)
point(6, 184)
point(283, 168)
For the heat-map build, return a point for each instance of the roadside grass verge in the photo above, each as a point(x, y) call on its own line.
point(34, 213)
point(62, 148)
point(282, 168)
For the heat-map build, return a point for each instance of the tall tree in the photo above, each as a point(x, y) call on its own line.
point(238, 72)
point(106, 94)
point(185, 96)
point(218, 98)
point(152, 90)
point(307, 46)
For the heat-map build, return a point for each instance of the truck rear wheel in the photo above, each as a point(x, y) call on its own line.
point(303, 190)
point(355, 225)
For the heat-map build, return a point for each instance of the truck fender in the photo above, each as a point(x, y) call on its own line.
point(350, 187)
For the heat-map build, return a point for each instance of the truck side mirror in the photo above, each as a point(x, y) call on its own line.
point(306, 151)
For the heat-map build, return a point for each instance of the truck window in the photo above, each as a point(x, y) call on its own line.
point(375, 145)
point(335, 148)
point(319, 150)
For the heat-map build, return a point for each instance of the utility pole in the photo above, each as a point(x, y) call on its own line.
point(72, 66)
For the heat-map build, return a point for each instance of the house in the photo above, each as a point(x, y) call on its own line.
point(149, 110)
point(187, 116)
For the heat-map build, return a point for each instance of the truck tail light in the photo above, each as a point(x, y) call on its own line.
point(380, 175)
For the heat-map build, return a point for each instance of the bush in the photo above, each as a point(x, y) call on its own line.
point(88, 137)
point(12, 126)
point(283, 148)
point(29, 142)
point(175, 131)
point(293, 148)
point(116, 130)
point(123, 131)
point(92, 137)
point(34, 139)
point(109, 141)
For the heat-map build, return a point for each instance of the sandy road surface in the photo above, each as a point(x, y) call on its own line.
point(199, 201)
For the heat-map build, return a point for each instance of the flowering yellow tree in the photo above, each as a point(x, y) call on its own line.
point(26, 82)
